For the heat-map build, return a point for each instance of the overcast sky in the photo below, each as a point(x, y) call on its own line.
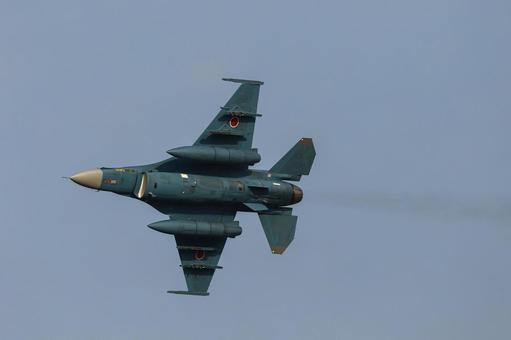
point(405, 227)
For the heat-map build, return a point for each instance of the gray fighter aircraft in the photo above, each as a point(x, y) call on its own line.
point(203, 186)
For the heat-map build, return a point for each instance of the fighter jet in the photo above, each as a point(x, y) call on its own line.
point(202, 187)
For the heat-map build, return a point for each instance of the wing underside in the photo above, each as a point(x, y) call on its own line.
point(233, 126)
point(200, 254)
point(227, 138)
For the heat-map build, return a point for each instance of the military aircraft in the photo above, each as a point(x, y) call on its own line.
point(203, 186)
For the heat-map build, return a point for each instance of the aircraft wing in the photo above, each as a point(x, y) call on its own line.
point(200, 254)
point(233, 126)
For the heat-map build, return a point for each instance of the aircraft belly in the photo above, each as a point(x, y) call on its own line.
point(179, 187)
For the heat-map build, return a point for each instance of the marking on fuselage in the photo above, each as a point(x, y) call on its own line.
point(110, 181)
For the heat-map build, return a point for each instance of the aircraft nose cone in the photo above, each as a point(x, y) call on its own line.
point(89, 178)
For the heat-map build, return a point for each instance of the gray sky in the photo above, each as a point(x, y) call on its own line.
point(404, 232)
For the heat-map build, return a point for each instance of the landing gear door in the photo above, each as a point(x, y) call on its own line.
point(141, 186)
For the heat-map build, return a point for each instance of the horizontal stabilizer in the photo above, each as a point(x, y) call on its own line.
point(296, 162)
point(279, 228)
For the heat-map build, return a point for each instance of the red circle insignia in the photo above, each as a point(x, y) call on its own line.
point(200, 254)
point(234, 122)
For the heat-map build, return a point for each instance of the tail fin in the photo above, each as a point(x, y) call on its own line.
point(296, 162)
point(279, 227)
